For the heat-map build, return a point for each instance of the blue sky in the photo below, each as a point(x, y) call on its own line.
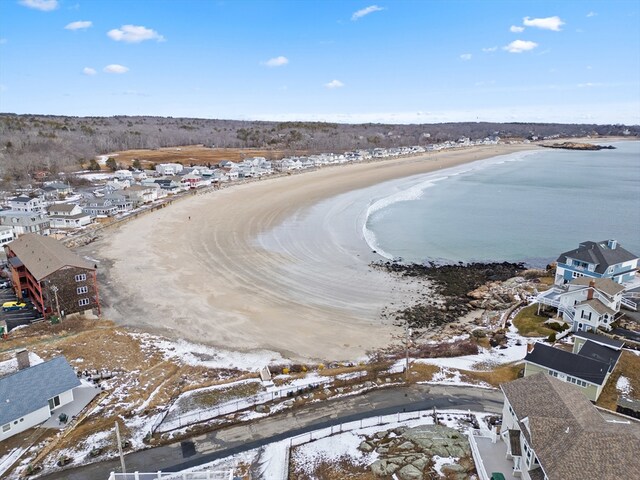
point(397, 61)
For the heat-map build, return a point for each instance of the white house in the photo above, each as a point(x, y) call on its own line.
point(169, 168)
point(32, 395)
point(6, 235)
point(123, 175)
point(586, 303)
point(67, 215)
point(25, 203)
point(25, 222)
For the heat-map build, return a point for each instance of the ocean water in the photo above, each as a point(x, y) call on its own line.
point(528, 206)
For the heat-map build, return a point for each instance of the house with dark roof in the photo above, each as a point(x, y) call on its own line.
point(587, 304)
point(605, 259)
point(553, 432)
point(54, 278)
point(25, 203)
point(588, 366)
point(32, 395)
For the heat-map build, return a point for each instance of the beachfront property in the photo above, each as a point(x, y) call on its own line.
point(6, 235)
point(588, 366)
point(605, 259)
point(67, 215)
point(586, 304)
point(100, 207)
point(553, 432)
point(32, 394)
point(25, 222)
point(56, 280)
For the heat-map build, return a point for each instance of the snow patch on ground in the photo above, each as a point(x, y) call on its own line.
point(440, 462)
point(205, 356)
point(624, 386)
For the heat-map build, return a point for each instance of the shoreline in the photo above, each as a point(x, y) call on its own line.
point(206, 280)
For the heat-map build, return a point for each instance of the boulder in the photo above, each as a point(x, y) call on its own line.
point(365, 447)
point(409, 472)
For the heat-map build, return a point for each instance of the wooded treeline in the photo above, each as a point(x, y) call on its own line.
point(58, 143)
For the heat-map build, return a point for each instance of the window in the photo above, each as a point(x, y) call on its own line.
point(553, 373)
point(83, 301)
point(54, 402)
point(577, 274)
point(82, 290)
point(81, 278)
point(6, 427)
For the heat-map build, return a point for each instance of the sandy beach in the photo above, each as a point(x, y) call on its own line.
point(197, 269)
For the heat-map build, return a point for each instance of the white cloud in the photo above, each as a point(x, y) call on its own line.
point(82, 24)
point(89, 71)
point(548, 23)
point(489, 49)
point(134, 34)
point(334, 84)
point(276, 62)
point(115, 68)
point(591, 14)
point(44, 5)
point(516, 29)
point(519, 46)
point(365, 11)
point(465, 56)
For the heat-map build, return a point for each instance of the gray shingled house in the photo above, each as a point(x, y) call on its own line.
point(553, 432)
point(31, 395)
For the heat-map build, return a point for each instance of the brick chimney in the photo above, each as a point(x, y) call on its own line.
point(530, 347)
point(592, 285)
point(22, 356)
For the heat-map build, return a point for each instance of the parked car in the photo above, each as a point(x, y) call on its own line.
point(5, 284)
point(6, 306)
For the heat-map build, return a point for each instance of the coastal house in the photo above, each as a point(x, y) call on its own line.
point(121, 202)
point(588, 366)
point(169, 168)
point(605, 259)
point(169, 185)
point(31, 395)
point(55, 279)
point(586, 303)
point(6, 235)
point(56, 190)
point(141, 194)
point(25, 203)
point(25, 222)
point(67, 215)
point(552, 432)
point(100, 207)
point(123, 175)
point(193, 180)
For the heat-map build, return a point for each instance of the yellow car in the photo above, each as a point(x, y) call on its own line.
point(6, 306)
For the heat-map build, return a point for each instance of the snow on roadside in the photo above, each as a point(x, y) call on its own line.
point(624, 386)
point(447, 376)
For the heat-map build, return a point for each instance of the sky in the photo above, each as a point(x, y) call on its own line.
point(392, 61)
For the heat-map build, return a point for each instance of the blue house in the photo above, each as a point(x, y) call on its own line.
point(606, 259)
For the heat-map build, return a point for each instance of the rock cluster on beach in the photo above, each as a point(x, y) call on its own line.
point(408, 452)
point(458, 290)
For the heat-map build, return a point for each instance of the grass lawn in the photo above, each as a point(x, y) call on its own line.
point(628, 366)
point(531, 325)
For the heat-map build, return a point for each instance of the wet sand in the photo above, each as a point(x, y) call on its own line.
point(196, 271)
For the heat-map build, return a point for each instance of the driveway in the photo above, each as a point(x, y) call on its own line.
point(247, 436)
point(16, 318)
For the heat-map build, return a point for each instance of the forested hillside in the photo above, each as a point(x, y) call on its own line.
point(57, 143)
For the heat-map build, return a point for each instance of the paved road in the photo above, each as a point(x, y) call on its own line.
point(228, 441)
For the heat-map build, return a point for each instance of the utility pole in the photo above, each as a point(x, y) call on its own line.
point(54, 289)
point(407, 331)
point(124, 470)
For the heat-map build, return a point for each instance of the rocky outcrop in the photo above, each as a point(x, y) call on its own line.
point(579, 146)
point(408, 452)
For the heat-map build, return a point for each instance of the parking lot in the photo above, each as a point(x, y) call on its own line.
point(14, 318)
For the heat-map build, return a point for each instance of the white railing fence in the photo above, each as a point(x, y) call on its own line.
point(167, 421)
point(477, 458)
point(194, 475)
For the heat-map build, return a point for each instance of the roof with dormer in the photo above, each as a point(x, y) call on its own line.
point(599, 253)
point(570, 438)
